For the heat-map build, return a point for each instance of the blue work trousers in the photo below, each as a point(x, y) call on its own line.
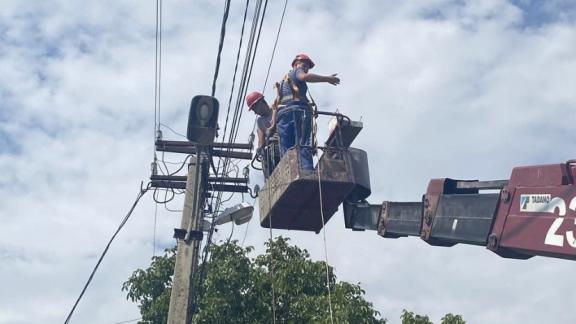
point(295, 129)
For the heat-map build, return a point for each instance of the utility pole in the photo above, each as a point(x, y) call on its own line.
point(189, 237)
point(202, 128)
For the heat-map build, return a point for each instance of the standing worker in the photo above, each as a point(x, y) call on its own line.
point(265, 125)
point(294, 116)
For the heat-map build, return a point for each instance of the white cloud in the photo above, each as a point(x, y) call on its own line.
point(464, 89)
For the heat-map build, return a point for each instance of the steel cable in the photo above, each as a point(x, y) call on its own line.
point(124, 220)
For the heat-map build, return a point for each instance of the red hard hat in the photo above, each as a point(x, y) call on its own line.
point(303, 57)
point(253, 98)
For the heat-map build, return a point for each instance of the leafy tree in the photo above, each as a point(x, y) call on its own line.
point(452, 319)
point(238, 289)
point(411, 318)
point(151, 288)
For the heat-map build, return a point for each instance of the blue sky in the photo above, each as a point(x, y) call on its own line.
point(462, 89)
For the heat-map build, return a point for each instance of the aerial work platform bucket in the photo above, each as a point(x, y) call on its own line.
point(290, 199)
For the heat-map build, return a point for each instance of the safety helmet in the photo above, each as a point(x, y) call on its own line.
point(253, 98)
point(303, 57)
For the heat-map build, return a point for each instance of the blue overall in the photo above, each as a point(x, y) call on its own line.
point(294, 120)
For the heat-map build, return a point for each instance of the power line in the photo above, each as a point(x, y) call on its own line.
point(252, 63)
point(240, 93)
point(275, 44)
point(245, 73)
point(220, 45)
point(158, 70)
point(172, 130)
point(157, 123)
point(129, 321)
point(236, 67)
point(248, 59)
point(140, 195)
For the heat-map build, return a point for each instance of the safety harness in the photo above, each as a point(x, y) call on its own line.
point(295, 96)
point(281, 101)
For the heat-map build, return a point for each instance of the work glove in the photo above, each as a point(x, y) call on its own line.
point(270, 132)
point(260, 152)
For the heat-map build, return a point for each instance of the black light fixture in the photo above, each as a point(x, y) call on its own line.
point(202, 120)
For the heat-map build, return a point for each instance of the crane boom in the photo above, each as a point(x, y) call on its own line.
point(531, 214)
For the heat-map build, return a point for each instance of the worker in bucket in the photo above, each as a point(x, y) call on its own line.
point(294, 113)
point(267, 151)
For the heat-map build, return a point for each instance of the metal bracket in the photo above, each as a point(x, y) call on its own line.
point(180, 234)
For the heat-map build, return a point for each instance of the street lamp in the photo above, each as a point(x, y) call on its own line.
point(240, 214)
point(202, 120)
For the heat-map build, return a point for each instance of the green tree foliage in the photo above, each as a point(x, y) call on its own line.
point(452, 319)
point(151, 288)
point(238, 289)
point(411, 318)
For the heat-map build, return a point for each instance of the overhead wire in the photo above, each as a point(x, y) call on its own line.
point(249, 65)
point(173, 131)
point(221, 44)
point(275, 44)
point(226, 160)
point(129, 321)
point(243, 86)
point(253, 58)
point(232, 89)
point(250, 50)
point(157, 106)
point(239, 96)
point(272, 56)
point(122, 223)
point(240, 92)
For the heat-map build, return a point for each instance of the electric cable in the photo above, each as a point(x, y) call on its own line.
point(173, 131)
point(129, 321)
point(272, 56)
point(242, 88)
point(157, 106)
point(253, 58)
point(275, 44)
point(140, 195)
point(221, 44)
point(236, 67)
point(226, 163)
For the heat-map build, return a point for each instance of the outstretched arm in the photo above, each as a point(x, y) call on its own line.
point(311, 77)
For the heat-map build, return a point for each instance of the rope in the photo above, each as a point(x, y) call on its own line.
point(155, 225)
point(272, 274)
point(247, 225)
point(325, 245)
